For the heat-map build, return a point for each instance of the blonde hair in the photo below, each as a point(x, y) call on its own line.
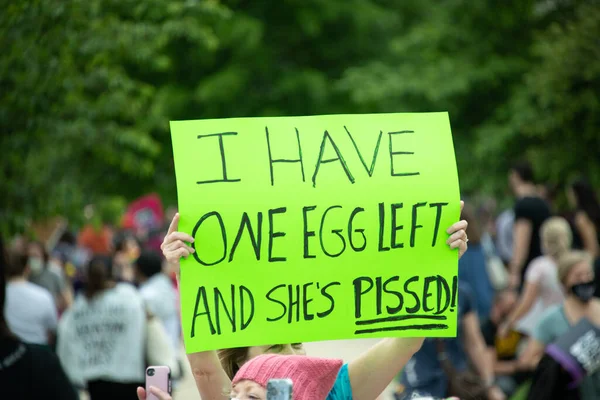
point(556, 237)
point(568, 261)
point(232, 359)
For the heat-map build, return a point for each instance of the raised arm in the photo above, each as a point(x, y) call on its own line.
point(526, 301)
point(211, 380)
point(66, 297)
point(543, 334)
point(372, 372)
point(588, 233)
point(477, 352)
point(531, 356)
point(501, 367)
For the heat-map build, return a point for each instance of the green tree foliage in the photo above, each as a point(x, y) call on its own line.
point(553, 115)
point(519, 79)
point(88, 86)
point(84, 105)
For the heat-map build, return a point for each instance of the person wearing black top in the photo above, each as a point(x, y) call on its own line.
point(28, 371)
point(586, 221)
point(551, 382)
point(530, 213)
point(582, 197)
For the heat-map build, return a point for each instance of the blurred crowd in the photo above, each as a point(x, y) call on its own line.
point(102, 299)
point(529, 274)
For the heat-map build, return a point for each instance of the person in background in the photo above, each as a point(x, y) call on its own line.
point(541, 280)
point(101, 338)
point(547, 192)
point(59, 263)
point(424, 374)
point(127, 250)
point(29, 309)
point(65, 254)
point(41, 275)
point(61, 260)
point(18, 244)
point(582, 197)
point(577, 278)
point(56, 264)
point(27, 371)
point(551, 381)
point(73, 258)
point(159, 295)
point(95, 236)
point(503, 349)
point(484, 215)
point(496, 268)
point(472, 266)
point(504, 235)
point(58, 252)
point(530, 213)
point(67, 242)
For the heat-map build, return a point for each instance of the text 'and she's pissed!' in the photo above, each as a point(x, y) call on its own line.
point(232, 308)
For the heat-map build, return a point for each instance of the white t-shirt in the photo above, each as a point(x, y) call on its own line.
point(30, 312)
point(160, 296)
point(504, 234)
point(542, 271)
point(104, 338)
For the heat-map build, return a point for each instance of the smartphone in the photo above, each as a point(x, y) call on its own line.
point(159, 377)
point(279, 389)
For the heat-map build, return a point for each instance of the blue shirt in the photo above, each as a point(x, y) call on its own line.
point(472, 270)
point(341, 388)
point(423, 374)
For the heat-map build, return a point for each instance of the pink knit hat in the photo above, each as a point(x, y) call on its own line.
point(312, 377)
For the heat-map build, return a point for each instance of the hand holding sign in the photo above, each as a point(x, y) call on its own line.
point(174, 245)
point(458, 234)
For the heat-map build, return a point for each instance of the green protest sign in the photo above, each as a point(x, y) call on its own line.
point(316, 228)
